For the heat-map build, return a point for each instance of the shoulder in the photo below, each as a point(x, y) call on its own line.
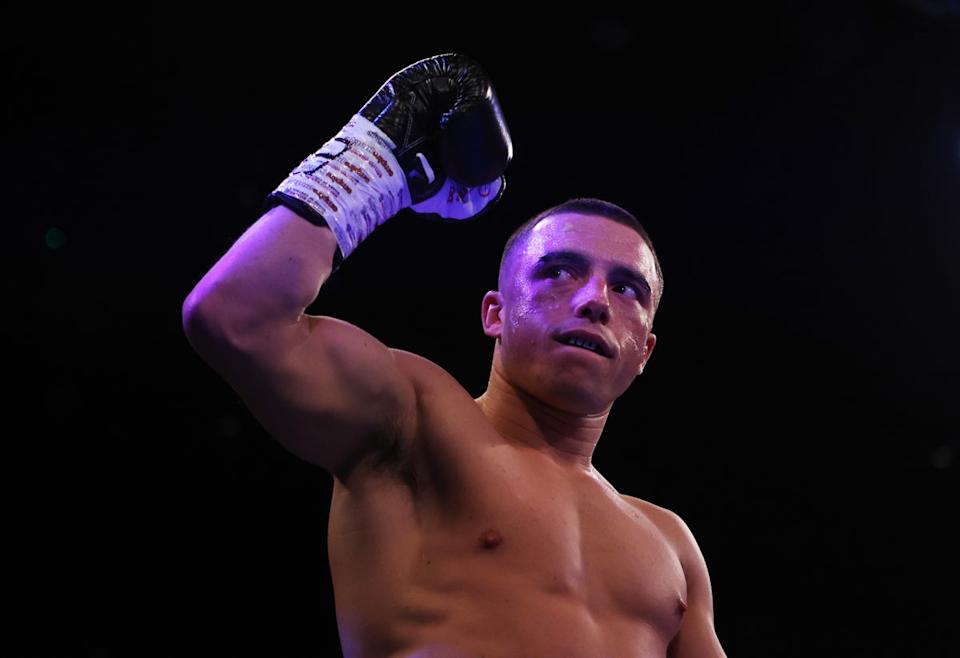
point(674, 529)
point(666, 520)
point(697, 636)
point(427, 375)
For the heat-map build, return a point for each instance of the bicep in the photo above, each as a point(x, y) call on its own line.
point(326, 390)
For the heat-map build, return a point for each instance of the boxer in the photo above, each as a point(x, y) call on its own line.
point(460, 526)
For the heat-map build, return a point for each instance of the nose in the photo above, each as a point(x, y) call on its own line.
point(591, 301)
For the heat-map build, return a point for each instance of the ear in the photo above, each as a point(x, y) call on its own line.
point(647, 351)
point(491, 311)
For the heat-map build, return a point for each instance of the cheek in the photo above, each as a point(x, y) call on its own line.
point(634, 343)
point(529, 307)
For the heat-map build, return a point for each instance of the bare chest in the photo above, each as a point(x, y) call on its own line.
point(572, 539)
point(483, 543)
point(505, 551)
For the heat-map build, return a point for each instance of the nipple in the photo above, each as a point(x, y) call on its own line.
point(491, 538)
point(681, 606)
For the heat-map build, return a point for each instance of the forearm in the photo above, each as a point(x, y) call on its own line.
point(269, 275)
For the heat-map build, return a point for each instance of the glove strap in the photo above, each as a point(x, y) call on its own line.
point(352, 184)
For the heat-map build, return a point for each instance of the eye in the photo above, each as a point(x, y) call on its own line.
point(556, 268)
point(636, 293)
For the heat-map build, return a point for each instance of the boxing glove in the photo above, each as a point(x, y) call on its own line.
point(433, 139)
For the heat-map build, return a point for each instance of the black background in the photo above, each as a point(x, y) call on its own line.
point(797, 165)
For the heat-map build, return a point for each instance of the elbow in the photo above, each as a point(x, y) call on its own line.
point(204, 311)
point(191, 314)
point(203, 331)
point(199, 299)
point(196, 329)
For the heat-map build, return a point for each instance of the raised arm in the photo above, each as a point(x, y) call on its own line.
point(327, 390)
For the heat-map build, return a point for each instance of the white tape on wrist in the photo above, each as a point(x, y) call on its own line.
point(353, 181)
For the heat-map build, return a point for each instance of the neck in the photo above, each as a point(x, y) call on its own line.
point(568, 438)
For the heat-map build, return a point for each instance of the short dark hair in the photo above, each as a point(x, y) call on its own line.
point(583, 206)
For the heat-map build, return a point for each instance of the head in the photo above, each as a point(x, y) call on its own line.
point(609, 285)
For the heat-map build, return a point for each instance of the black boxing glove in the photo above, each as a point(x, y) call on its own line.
point(432, 138)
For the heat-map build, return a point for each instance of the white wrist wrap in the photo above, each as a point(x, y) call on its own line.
point(353, 181)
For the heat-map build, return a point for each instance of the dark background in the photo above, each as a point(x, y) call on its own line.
point(797, 165)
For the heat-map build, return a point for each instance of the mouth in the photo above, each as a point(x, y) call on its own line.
point(585, 342)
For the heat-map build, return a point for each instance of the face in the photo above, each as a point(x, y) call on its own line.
point(606, 288)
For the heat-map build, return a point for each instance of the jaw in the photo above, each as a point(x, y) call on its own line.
point(558, 389)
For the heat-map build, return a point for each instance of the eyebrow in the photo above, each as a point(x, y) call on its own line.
point(582, 261)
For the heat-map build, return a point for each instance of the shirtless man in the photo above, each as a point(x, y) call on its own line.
point(461, 527)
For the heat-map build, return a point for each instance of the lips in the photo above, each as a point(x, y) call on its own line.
point(602, 345)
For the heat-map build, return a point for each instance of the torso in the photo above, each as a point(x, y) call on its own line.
point(473, 545)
